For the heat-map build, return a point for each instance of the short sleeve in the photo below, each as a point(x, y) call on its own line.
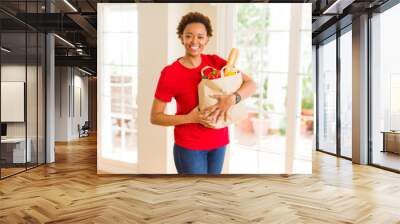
point(219, 62)
point(164, 90)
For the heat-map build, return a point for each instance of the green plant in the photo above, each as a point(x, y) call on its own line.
point(282, 131)
point(252, 21)
point(268, 107)
point(263, 102)
point(307, 101)
point(282, 127)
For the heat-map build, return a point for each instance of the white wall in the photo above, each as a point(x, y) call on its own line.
point(151, 154)
point(79, 117)
point(68, 81)
point(33, 127)
point(62, 81)
point(12, 73)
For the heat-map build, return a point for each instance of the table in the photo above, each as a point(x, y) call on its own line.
point(13, 150)
point(391, 141)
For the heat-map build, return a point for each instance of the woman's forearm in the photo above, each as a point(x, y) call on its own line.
point(169, 120)
point(247, 89)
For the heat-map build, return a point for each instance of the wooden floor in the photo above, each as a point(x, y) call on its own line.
point(387, 159)
point(10, 171)
point(69, 191)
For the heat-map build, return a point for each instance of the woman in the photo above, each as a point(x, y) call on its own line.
point(197, 149)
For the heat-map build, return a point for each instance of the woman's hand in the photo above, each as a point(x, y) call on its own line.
point(195, 116)
point(220, 109)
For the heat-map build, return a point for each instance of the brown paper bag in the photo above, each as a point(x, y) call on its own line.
point(222, 86)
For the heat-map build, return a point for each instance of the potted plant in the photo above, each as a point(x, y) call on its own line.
point(307, 106)
point(260, 122)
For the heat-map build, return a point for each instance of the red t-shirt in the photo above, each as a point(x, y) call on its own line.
point(181, 83)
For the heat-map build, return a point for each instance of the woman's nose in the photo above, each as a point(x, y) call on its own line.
point(194, 40)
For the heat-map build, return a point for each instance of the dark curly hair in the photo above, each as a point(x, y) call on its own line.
point(194, 17)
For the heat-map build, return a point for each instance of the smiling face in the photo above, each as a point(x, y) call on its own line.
point(194, 39)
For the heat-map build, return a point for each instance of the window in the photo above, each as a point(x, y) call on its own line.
point(385, 89)
point(22, 65)
point(346, 94)
point(327, 96)
point(305, 119)
point(119, 82)
point(263, 36)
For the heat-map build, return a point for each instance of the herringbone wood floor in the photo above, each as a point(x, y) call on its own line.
point(69, 191)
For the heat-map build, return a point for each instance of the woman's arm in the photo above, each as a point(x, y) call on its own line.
point(220, 110)
point(158, 116)
point(248, 87)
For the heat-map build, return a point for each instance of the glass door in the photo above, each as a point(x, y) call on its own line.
point(385, 89)
point(327, 96)
point(15, 151)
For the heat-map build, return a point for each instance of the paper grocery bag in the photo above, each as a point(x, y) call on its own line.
point(222, 86)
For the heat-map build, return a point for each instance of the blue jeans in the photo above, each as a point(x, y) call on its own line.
point(199, 161)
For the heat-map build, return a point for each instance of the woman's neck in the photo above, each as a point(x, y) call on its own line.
point(191, 61)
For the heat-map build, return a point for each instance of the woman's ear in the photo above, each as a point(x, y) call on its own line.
point(181, 39)
point(207, 39)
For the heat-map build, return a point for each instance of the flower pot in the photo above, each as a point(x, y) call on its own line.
point(260, 126)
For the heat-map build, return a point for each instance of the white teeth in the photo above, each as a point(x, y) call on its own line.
point(194, 48)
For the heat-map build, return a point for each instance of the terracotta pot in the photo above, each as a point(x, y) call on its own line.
point(245, 126)
point(260, 126)
point(307, 112)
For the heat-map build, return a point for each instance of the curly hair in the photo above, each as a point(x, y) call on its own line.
point(194, 17)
